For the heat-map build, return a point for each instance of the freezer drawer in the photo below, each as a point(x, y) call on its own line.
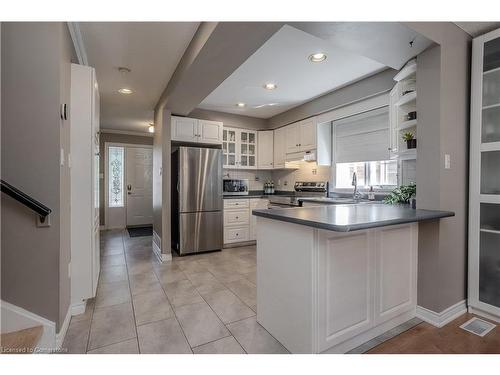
point(200, 231)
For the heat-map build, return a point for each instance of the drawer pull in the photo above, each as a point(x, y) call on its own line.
point(237, 217)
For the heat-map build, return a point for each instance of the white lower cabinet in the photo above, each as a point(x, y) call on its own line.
point(239, 223)
point(323, 291)
point(366, 279)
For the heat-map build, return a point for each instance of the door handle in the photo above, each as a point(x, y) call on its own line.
point(129, 187)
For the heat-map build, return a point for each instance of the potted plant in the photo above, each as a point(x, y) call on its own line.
point(402, 195)
point(411, 142)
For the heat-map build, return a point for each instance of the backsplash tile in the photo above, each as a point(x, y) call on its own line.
point(283, 179)
point(256, 179)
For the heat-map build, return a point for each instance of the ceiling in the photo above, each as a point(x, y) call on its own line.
point(477, 28)
point(151, 50)
point(283, 60)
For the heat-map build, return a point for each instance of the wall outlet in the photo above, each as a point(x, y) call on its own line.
point(447, 161)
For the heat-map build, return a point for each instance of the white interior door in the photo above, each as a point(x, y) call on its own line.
point(139, 185)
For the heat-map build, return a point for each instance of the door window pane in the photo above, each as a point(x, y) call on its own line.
point(490, 217)
point(251, 161)
point(232, 148)
point(491, 59)
point(491, 88)
point(231, 160)
point(489, 268)
point(490, 131)
point(244, 161)
point(224, 135)
point(251, 138)
point(251, 149)
point(490, 172)
point(116, 157)
point(244, 149)
point(244, 137)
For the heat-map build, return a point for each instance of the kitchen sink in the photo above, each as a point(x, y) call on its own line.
point(332, 200)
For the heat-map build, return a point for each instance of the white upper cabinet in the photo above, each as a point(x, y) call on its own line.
point(301, 136)
point(210, 131)
point(307, 135)
point(239, 148)
point(185, 129)
point(265, 149)
point(279, 148)
point(292, 138)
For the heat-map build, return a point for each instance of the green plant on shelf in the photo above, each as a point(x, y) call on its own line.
point(401, 194)
point(408, 136)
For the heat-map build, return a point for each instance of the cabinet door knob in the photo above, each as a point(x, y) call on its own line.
point(237, 217)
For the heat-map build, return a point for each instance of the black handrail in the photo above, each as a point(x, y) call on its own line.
point(25, 199)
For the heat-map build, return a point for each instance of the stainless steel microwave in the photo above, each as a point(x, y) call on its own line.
point(235, 187)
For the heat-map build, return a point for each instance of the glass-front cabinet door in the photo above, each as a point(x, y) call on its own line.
point(248, 149)
point(229, 137)
point(484, 213)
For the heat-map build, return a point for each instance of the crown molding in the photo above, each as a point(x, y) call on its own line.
point(126, 132)
point(76, 37)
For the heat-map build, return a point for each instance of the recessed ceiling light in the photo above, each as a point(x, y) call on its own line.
point(317, 57)
point(270, 86)
point(124, 69)
point(151, 128)
point(241, 105)
point(125, 91)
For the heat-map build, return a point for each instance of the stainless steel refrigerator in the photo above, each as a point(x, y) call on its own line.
point(197, 200)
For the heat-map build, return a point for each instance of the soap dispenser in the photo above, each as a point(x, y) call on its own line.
point(371, 194)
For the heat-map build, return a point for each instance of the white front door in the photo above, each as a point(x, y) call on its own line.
point(139, 185)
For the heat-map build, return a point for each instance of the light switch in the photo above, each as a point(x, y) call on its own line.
point(447, 161)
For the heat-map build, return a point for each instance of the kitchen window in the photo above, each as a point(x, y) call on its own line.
point(379, 174)
point(362, 146)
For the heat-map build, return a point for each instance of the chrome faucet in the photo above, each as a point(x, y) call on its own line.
point(356, 195)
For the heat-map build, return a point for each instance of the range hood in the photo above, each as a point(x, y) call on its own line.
point(301, 156)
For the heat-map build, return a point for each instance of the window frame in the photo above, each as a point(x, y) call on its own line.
point(109, 179)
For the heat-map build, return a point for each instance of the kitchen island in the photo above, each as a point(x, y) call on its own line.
point(330, 278)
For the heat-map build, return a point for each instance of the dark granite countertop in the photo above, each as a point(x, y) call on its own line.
point(351, 217)
point(259, 194)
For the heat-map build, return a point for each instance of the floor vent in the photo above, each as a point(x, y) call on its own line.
point(478, 326)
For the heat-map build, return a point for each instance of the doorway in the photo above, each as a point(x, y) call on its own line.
point(128, 185)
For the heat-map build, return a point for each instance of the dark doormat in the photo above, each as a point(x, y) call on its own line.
point(140, 231)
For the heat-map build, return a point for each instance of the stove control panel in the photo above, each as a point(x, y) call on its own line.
point(320, 186)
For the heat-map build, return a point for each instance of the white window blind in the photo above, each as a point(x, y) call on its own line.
point(363, 137)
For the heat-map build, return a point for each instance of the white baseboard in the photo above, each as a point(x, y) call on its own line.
point(157, 249)
point(161, 257)
point(78, 308)
point(15, 318)
point(64, 328)
point(484, 314)
point(444, 317)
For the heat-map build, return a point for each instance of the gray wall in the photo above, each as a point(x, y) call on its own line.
point(443, 86)
point(363, 89)
point(230, 119)
point(116, 138)
point(35, 260)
